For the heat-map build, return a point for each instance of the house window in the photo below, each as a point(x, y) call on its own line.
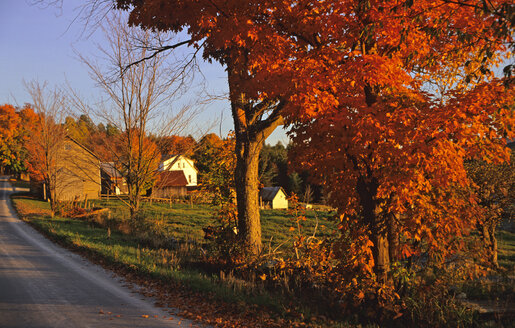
point(189, 178)
point(183, 165)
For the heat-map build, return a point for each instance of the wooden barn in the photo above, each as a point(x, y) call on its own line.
point(75, 174)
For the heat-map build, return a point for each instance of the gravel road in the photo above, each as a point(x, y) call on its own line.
point(44, 285)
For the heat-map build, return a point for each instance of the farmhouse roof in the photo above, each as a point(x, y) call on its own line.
point(174, 159)
point(174, 178)
point(269, 193)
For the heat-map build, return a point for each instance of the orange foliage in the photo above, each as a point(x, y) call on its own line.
point(44, 136)
point(11, 136)
point(173, 145)
point(139, 159)
point(9, 122)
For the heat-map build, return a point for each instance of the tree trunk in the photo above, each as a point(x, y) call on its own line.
point(493, 246)
point(254, 121)
point(381, 255)
point(393, 238)
point(247, 195)
point(367, 191)
point(134, 203)
point(490, 242)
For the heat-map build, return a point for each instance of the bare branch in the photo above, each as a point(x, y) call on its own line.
point(157, 52)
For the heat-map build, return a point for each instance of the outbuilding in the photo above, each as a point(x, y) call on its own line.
point(273, 197)
point(170, 184)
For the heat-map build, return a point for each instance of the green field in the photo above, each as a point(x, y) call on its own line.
point(506, 244)
point(184, 222)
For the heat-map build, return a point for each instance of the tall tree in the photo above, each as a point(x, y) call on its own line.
point(230, 33)
point(46, 136)
point(174, 145)
point(366, 129)
point(495, 187)
point(137, 88)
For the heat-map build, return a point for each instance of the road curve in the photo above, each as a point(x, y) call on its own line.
point(44, 285)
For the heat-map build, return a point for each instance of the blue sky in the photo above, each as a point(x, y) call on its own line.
point(38, 44)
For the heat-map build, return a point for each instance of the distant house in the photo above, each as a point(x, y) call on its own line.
point(181, 163)
point(273, 197)
point(75, 175)
point(113, 183)
point(170, 184)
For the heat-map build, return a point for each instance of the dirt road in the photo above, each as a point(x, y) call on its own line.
point(43, 285)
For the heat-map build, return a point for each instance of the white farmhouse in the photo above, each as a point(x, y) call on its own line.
point(181, 163)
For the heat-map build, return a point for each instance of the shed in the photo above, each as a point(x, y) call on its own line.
point(112, 180)
point(273, 197)
point(170, 184)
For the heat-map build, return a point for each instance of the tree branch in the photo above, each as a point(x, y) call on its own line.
point(156, 52)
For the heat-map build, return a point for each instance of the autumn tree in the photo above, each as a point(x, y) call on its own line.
point(174, 145)
point(205, 153)
point(12, 153)
point(217, 161)
point(138, 160)
point(80, 129)
point(137, 87)
point(368, 127)
point(236, 35)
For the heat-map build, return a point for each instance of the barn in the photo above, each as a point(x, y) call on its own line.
point(170, 184)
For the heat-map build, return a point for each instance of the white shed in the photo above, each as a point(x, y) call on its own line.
point(181, 163)
point(273, 197)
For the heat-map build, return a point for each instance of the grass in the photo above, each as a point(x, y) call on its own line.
point(184, 222)
point(497, 289)
point(506, 245)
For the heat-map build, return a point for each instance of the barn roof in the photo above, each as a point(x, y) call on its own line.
point(269, 193)
point(171, 179)
point(110, 170)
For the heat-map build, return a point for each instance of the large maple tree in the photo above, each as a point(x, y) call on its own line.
point(234, 33)
point(349, 76)
point(392, 108)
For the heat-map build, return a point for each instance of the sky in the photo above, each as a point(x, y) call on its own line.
point(39, 44)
